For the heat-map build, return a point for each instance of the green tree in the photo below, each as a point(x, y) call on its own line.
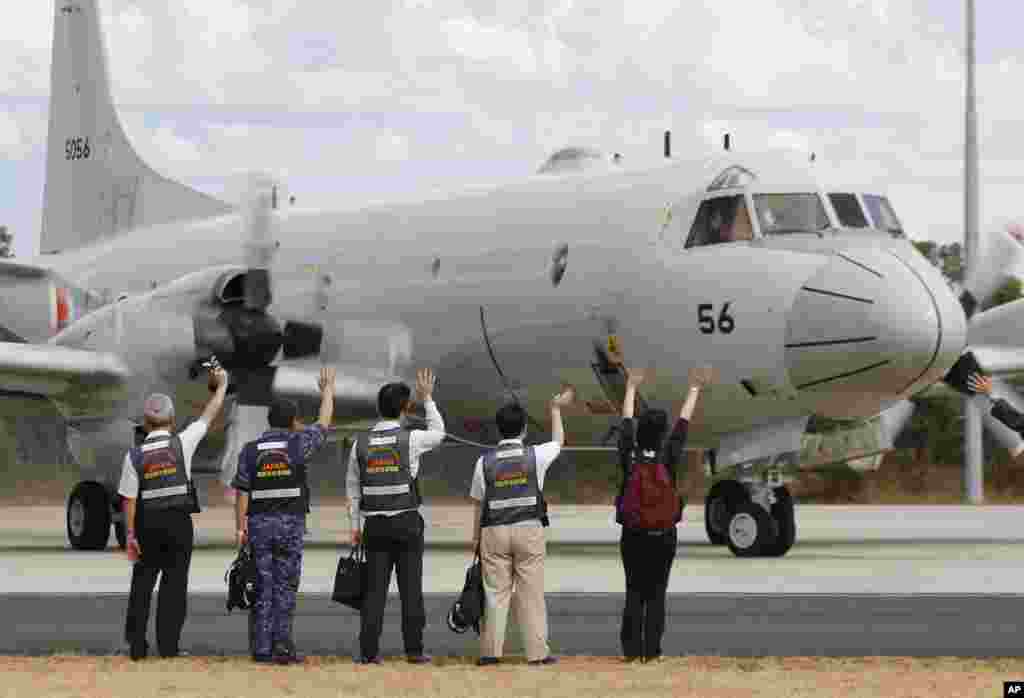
point(6, 242)
point(925, 247)
point(1008, 292)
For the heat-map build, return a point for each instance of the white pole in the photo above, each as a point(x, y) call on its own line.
point(974, 488)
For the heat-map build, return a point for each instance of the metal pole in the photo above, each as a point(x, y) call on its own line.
point(974, 487)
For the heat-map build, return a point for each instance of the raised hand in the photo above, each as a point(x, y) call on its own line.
point(701, 376)
point(564, 398)
point(425, 384)
point(636, 376)
point(327, 378)
point(979, 383)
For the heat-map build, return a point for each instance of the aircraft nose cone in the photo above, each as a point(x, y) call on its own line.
point(868, 327)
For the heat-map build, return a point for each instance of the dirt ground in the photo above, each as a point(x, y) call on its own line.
point(706, 677)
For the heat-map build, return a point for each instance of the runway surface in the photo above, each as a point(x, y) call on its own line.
point(839, 550)
point(919, 581)
point(775, 625)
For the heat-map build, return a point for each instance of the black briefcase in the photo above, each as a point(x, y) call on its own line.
point(350, 580)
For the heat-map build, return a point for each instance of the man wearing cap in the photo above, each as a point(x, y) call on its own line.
point(271, 515)
point(155, 481)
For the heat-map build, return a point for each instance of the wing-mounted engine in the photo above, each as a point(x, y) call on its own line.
point(246, 337)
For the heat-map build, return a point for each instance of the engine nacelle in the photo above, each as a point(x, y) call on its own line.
point(245, 338)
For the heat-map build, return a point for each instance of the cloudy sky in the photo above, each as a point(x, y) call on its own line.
point(350, 101)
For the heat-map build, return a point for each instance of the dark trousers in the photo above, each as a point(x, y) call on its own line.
point(166, 542)
point(647, 560)
point(393, 542)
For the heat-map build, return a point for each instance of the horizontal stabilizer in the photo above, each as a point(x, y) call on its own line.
point(20, 270)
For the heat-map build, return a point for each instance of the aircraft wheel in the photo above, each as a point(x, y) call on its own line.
point(785, 519)
point(719, 506)
point(88, 517)
point(751, 530)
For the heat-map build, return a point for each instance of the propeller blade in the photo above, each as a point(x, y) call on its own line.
point(1002, 326)
point(1003, 252)
point(1000, 361)
point(894, 420)
point(1007, 437)
point(302, 340)
point(258, 241)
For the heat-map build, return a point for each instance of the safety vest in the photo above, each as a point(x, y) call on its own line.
point(277, 475)
point(385, 477)
point(511, 491)
point(159, 463)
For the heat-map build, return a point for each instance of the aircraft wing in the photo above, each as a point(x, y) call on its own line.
point(52, 371)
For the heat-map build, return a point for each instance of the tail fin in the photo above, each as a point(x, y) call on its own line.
point(96, 184)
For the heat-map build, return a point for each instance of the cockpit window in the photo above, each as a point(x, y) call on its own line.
point(790, 213)
point(848, 210)
point(882, 213)
point(722, 219)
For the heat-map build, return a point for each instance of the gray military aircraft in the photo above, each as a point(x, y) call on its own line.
point(808, 301)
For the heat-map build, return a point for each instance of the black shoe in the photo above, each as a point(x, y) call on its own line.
point(487, 661)
point(369, 660)
point(544, 662)
point(263, 658)
point(284, 653)
point(419, 658)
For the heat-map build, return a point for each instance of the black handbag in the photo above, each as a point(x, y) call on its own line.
point(241, 578)
point(468, 609)
point(350, 580)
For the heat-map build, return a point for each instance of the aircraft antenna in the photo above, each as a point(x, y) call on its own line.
point(725, 141)
point(668, 144)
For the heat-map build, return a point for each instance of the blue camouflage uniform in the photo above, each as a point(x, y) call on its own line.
point(272, 471)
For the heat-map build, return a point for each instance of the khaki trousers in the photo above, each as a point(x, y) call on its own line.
point(512, 559)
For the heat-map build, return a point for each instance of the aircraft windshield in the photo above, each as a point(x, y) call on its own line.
point(719, 220)
point(790, 213)
point(848, 210)
point(882, 213)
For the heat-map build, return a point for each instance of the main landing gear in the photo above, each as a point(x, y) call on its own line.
point(91, 510)
point(754, 519)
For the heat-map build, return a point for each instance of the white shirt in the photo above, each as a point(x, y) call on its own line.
point(420, 441)
point(545, 456)
point(190, 438)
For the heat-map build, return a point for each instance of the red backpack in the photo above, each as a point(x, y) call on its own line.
point(649, 500)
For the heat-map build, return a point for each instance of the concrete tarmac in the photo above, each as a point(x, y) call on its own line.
point(839, 550)
point(920, 580)
point(586, 624)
